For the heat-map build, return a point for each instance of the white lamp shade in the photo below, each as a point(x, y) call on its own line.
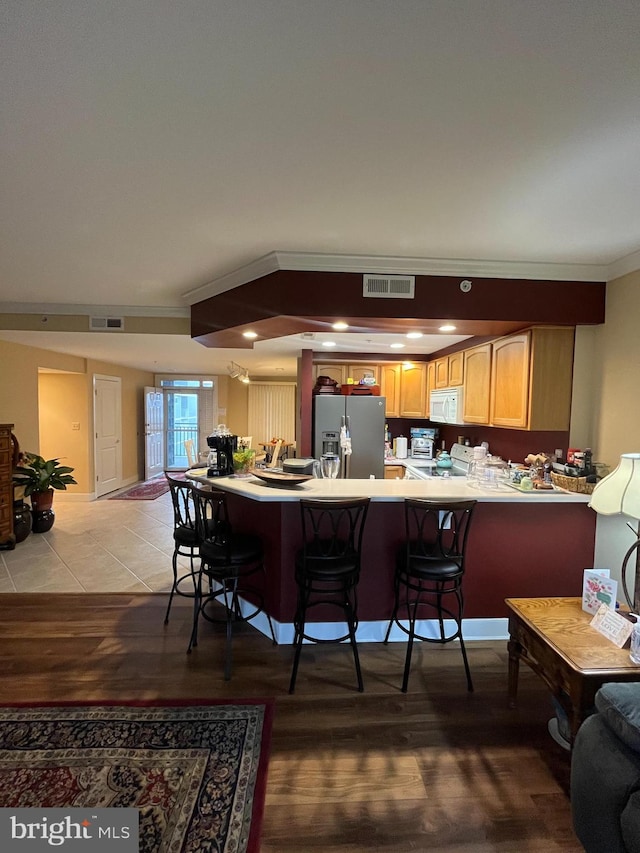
point(619, 492)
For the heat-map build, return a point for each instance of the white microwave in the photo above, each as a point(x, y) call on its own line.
point(445, 406)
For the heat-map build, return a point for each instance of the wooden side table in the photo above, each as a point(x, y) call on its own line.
point(553, 636)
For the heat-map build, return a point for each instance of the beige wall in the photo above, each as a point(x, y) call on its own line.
point(44, 406)
point(616, 366)
point(63, 402)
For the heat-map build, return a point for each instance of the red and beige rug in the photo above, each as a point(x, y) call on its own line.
point(196, 773)
point(147, 491)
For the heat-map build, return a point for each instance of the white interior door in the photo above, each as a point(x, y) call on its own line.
point(153, 432)
point(107, 419)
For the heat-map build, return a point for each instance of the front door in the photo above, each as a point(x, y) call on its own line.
point(153, 432)
point(107, 421)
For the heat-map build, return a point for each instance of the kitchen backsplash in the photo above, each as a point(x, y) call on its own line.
point(511, 444)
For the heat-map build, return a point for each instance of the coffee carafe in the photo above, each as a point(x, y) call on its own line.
point(223, 444)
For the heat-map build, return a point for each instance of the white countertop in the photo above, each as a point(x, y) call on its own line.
point(436, 488)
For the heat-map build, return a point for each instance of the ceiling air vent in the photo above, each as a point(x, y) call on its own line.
point(389, 286)
point(106, 324)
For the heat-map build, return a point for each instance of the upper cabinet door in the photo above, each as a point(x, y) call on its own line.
point(456, 368)
point(390, 388)
point(413, 391)
point(337, 372)
point(510, 385)
point(442, 372)
point(431, 384)
point(357, 372)
point(477, 385)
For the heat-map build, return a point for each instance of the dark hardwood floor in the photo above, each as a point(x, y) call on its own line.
point(437, 769)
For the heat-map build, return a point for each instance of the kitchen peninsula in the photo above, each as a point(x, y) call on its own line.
point(520, 545)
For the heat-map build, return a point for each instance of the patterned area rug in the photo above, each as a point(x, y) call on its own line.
point(147, 491)
point(196, 773)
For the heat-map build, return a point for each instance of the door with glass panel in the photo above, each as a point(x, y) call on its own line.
point(190, 411)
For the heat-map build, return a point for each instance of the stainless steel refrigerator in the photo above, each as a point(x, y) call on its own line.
point(364, 418)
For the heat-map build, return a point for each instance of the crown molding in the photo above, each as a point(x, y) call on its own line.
point(388, 265)
point(93, 310)
point(623, 266)
point(249, 272)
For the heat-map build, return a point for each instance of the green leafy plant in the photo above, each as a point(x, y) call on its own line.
point(243, 460)
point(37, 474)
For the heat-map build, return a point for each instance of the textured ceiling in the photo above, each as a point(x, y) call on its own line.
point(148, 149)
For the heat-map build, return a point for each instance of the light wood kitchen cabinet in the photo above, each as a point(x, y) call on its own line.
point(442, 372)
point(431, 384)
point(358, 371)
point(413, 390)
point(337, 372)
point(390, 375)
point(393, 472)
point(531, 375)
point(456, 368)
point(449, 370)
point(477, 385)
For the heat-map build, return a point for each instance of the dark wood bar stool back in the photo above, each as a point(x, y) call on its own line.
point(328, 570)
point(185, 538)
point(228, 561)
point(429, 574)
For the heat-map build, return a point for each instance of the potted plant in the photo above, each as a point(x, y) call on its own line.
point(39, 477)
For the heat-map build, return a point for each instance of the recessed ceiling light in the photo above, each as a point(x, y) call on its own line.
point(249, 334)
point(447, 328)
point(340, 326)
point(415, 335)
point(396, 346)
point(328, 343)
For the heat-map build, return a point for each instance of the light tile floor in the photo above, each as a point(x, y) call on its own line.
point(101, 546)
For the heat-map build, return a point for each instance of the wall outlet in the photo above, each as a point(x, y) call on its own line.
point(558, 454)
point(75, 425)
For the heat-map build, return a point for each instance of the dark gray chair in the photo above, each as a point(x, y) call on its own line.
point(605, 773)
point(429, 573)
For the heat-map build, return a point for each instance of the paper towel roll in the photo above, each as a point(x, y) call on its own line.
point(401, 447)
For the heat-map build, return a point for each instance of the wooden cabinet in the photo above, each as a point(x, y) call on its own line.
point(337, 372)
point(477, 385)
point(456, 368)
point(531, 376)
point(7, 538)
point(342, 372)
point(431, 384)
point(441, 366)
point(413, 390)
point(358, 371)
point(390, 388)
point(394, 472)
point(449, 370)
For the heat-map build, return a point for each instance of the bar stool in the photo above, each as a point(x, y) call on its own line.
point(227, 560)
point(185, 537)
point(430, 571)
point(328, 569)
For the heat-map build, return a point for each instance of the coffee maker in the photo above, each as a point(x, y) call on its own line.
point(223, 445)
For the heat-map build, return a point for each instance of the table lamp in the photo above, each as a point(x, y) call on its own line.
point(619, 494)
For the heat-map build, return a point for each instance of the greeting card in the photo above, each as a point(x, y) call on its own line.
point(598, 589)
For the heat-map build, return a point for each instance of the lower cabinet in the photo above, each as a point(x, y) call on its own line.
point(394, 472)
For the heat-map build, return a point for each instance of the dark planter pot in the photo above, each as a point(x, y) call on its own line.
point(21, 520)
point(42, 514)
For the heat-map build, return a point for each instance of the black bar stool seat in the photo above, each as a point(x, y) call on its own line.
point(328, 570)
point(185, 538)
point(228, 561)
point(429, 573)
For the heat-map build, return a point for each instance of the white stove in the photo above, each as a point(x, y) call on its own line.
point(461, 457)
